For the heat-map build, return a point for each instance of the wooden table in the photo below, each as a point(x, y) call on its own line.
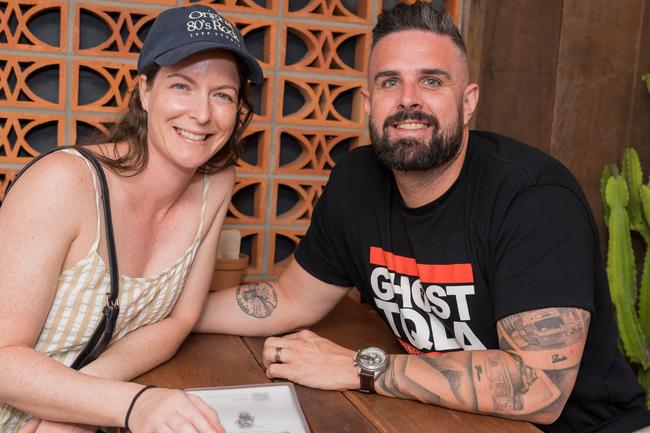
point(223, 360)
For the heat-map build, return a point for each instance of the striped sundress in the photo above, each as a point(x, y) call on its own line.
point(80, 298)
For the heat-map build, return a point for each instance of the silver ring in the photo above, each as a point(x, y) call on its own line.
point(278, 351)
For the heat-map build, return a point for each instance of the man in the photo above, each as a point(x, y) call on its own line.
point(471, 247)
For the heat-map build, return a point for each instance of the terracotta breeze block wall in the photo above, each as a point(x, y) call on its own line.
point(66, 68)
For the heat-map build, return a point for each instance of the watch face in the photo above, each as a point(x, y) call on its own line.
point(372, 358)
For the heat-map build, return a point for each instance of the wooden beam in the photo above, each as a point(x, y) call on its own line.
point(518, 68)
point(597, 68)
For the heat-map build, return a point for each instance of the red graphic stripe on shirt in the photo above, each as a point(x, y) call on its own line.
point(412, 350)
point(441, 274)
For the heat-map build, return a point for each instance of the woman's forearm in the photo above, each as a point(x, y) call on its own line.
point(141, 350)
point(55, 392)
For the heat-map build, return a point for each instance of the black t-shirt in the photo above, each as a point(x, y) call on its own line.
point(513, 233)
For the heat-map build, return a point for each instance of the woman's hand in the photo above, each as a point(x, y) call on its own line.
point(159, 409)
point(36, 425)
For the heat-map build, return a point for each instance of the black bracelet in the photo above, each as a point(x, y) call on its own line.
point(133, 400)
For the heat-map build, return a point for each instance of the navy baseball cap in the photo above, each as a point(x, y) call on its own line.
point(179, 32)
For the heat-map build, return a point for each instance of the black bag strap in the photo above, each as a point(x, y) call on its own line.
point(102, 335)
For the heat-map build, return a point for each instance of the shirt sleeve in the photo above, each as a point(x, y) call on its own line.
point(322, 249)
point(544, 253)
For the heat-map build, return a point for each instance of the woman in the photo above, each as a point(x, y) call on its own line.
point(170, 178)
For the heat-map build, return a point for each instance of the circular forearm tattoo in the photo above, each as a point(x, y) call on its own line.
point(257, 299)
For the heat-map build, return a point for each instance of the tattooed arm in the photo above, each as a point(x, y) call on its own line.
point(529, 378)
point(295, 300)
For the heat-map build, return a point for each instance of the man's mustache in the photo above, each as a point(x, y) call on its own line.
point(403, 116)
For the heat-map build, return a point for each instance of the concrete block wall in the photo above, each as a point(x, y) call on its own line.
point(66, 68)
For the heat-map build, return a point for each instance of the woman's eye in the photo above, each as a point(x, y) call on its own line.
point(225, 96)
point(180, 86)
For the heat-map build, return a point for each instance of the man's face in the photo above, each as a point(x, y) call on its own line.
point(416, 88)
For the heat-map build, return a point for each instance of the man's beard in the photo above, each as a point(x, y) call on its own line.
point(410, 154)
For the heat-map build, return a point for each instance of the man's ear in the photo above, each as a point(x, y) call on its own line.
point(470, 101)
point(144, 90)
point(365, 94)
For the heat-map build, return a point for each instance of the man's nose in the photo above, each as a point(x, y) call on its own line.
point(410, 97)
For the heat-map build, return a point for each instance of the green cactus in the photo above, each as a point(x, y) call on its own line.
point(644, 289)
point(621, 270)
point(633, 175)
point(609, 171)
point(626, 208)
point(646, 78)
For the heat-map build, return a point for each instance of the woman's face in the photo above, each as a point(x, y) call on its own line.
point(192, 108)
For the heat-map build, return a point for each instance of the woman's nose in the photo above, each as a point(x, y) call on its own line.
point(200, 109)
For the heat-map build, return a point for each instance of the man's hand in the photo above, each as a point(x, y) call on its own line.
point(36, 425)
point(310, 360)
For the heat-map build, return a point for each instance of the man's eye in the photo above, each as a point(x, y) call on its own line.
point(390, 83)
point(431, 82)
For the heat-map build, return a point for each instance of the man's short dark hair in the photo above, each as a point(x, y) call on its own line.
point(417, 16)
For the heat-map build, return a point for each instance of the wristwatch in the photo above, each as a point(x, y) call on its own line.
point(370, 361)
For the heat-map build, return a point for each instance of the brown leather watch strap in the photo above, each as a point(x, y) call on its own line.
point(367, 379)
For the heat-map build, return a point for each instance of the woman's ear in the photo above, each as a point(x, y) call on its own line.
point(144, 91)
